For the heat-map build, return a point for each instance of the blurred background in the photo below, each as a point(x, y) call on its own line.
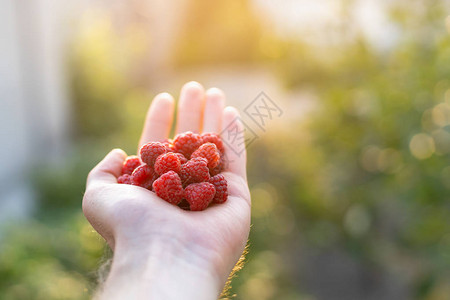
point(351, 200)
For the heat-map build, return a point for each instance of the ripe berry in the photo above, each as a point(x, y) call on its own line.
point(183, 159)
point(210, 152)
point(150, 152)
point(169, 188)
point(143, 176)
point(186, 143)
point(219, 168)
point(199, 195)
point(210, 137)
point(131, 163)
point(124, 179)
point(195, 170)
point(167, 162)
point(220, 183)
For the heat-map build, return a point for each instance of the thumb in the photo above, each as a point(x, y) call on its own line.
point(108, 169)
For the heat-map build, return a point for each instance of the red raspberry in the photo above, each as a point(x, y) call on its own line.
point(143, 176)
point(150, 152)
point(220, 183)
point(220, 167)
point(183, 159)
point(210, 152)
point(167, 162)
point(186, 143)
point(199, 195)
point(124, 179)
point(169, 188)
point(210, 137)
point(131, 163)
point(195, 170)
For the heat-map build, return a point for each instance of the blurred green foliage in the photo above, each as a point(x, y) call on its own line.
point(228, 33)
point(104, 89)
point(50, 257)
point(365, 175)
point(368, 172)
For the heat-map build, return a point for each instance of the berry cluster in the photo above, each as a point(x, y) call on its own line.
point(186, 169)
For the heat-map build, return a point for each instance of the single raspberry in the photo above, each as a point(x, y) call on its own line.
point(195, 170)
point(169, 188)
point(150, 152)
point(210, 152)
point(220, 183)
point(210, 137)
point(199, 195)
point(183, 159)
point(167, 162)
point(143, 176)
point(124, 179)
point(186, 143)
point(131, 163)
point(219, 168)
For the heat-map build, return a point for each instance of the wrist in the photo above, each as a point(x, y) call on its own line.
point(163, 268)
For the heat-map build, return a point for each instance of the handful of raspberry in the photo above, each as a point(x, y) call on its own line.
point(184, 172)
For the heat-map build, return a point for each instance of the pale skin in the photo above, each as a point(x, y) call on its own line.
point(160, 250)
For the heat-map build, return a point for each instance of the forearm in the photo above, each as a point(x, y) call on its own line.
point(159, 272)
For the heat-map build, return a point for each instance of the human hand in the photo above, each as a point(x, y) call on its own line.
point(161, 250)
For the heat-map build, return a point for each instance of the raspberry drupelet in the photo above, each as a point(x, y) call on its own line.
point(195, 170)
point(199, 195)
point(131, 163)
point(169, 188)
point(167, 162)
point(150, 152)
point(210, 152)
point(220, 184)
point(186, 143)
point(143, 176)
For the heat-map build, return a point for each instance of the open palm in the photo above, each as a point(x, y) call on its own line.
point(131, 215)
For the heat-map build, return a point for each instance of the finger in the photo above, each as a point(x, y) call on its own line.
point(158, 120)
point(190, 107)
point(108, 169)
point(234, 142)
point(212, 116)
